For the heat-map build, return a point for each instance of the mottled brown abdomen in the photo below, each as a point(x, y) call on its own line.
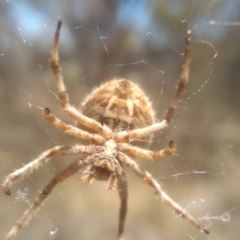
point(119, 104)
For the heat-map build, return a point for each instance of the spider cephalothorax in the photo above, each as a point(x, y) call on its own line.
point(104, 168)
point(114, 115)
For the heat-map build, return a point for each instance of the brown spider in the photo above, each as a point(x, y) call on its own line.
point(118, 112)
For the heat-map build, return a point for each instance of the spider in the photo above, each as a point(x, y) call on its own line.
point(116, 113)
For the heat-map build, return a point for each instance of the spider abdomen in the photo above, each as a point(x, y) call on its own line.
point(119, 104)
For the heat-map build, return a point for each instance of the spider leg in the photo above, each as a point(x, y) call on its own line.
point(182, 82)
point(87, 175)
point(141, 133)
point(143, 153)
point(23, 172)
point(29, 213)
point(172, 205)
point(123, 194)
point(71, 130)
point(111, 182)
point(71, 111)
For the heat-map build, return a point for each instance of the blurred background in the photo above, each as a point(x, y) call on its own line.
point(142, 41)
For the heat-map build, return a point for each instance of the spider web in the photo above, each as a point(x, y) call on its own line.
point(142, 41)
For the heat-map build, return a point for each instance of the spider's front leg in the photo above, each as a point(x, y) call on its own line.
point(123, 194)
point(28, 214)
point(172, 205)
